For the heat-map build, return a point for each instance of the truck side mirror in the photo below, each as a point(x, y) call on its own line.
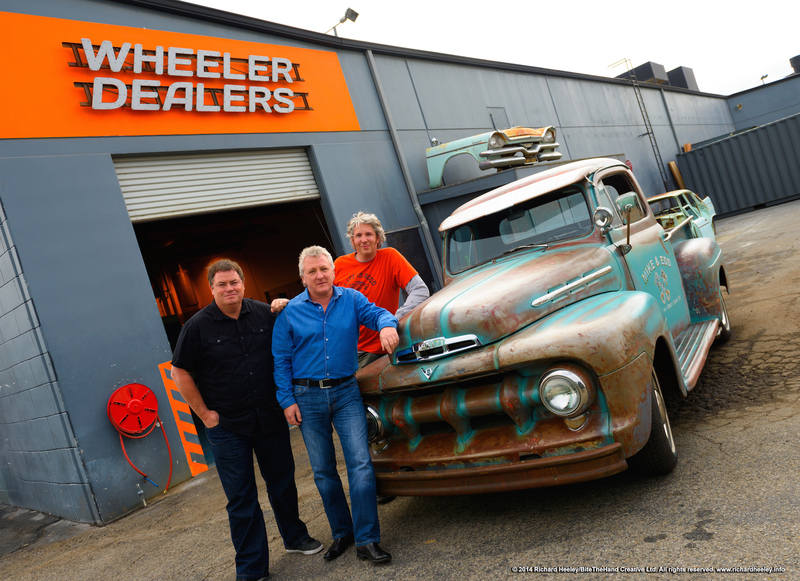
point(628, 205)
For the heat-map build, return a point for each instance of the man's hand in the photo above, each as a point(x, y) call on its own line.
point(292, 414)
point(277, 305)
point(211, 419)
point(389, 339)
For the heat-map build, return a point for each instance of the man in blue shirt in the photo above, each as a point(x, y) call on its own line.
point(314, 347)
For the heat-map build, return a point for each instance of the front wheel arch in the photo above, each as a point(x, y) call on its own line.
point(659, 455)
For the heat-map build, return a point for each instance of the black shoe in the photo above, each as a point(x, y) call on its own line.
point(385, 499)
point(373, 553)
point(251, 579)
point(338, 546)
point(307, 546)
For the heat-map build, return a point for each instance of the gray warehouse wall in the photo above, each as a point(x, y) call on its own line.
point(765, 104)
point(593, 117)
point(100, 324)
point(40, 464)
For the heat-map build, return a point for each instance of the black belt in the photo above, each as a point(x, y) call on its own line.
point(320, 383)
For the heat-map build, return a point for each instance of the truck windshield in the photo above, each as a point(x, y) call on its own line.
point(536, 223)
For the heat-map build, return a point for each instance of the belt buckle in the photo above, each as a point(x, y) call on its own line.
point(322, 384)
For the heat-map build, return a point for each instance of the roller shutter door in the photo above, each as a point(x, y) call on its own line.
point(170, 186)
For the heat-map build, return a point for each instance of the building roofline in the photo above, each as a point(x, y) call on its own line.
point(786, 79)
point(248, 22)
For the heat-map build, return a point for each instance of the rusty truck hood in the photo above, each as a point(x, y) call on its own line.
point(496, 299)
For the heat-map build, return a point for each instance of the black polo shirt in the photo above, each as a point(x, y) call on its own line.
point(231, 363)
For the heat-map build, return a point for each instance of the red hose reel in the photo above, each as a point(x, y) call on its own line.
point(133, 411)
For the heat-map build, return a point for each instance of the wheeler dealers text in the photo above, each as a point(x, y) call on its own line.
point(623, 570)
point(185, 62)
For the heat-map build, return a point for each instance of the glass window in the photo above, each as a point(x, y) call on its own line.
point(558, 216)
point(618, 184)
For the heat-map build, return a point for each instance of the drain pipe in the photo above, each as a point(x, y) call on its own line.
point(412, 193)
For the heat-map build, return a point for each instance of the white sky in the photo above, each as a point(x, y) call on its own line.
point(728, 44)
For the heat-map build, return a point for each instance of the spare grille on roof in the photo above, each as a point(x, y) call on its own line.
point(437, 347)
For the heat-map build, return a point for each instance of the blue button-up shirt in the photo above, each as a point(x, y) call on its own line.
point(314, 343)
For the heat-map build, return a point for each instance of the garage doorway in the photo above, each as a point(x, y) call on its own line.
point(265, 241)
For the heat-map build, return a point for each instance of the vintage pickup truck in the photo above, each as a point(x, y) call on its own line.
point(568, 316)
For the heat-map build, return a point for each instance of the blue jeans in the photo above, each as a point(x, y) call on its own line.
point(234, 456)
point(340, 407)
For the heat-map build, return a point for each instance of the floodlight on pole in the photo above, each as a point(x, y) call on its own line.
point(349, 14)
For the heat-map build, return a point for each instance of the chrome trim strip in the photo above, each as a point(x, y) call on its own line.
point(584, 280)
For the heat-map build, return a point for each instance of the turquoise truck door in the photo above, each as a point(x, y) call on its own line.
point(651, 260)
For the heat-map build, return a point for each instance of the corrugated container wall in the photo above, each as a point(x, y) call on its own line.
point(749, 169)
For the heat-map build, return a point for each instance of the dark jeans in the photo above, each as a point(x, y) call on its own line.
point(234, 455)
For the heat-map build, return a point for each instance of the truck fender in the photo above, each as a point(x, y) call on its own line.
point(700, 264)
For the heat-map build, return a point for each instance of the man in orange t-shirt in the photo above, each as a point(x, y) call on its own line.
point(379, 274)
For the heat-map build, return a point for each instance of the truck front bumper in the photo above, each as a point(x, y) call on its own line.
point(534, 473)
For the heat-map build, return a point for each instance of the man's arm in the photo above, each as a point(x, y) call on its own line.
point(191, 394)
point(389, 339)
point(377, 319)
point(282, 345)
point(416, 292)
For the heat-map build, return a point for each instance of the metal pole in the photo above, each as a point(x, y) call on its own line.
point(412, 193)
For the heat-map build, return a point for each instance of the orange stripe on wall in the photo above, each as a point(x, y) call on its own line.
point(195, 468)
point(40, 99)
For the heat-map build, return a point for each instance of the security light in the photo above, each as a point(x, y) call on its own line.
point(349, 14)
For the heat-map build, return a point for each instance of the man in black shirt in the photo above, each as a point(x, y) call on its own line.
point(222, 366)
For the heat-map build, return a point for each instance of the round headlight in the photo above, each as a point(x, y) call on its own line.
point(549, 136)
point(564, 393)
point(374, 424)
point(603, 217)
point(496, 141)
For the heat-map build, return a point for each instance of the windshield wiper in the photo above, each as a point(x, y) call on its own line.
point(525, 247)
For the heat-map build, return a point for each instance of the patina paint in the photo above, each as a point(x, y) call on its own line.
point(482, 302)
point(627, 394)
point(654, 269)
point(699, 262)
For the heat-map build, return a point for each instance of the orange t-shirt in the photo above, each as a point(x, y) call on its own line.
point(380, 280)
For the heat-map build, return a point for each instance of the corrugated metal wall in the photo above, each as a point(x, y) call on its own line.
point(592, 116)
point(740, 172)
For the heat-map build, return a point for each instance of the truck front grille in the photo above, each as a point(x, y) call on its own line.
point(437, 347)
point(465, 407)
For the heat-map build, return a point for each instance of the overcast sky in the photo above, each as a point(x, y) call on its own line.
point(729, 45)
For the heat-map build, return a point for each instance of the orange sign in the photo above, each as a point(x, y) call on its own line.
point(67, 78)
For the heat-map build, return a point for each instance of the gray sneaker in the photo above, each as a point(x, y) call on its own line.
point(307, 546)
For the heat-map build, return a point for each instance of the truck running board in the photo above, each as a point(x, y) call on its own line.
point(692, 347)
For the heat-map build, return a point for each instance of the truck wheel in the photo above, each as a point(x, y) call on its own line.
point(724, 331)
point(659, 455)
